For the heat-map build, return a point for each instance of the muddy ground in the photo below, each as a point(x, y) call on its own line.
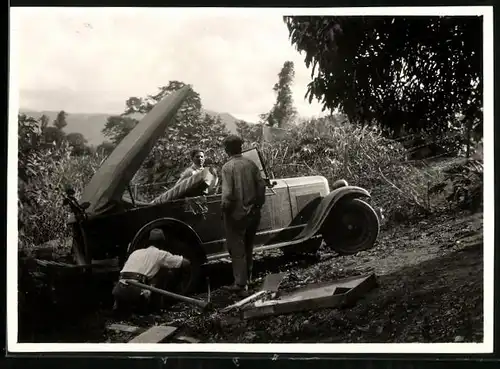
point(430, 289)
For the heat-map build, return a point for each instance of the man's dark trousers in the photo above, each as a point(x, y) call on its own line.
point(240, 236)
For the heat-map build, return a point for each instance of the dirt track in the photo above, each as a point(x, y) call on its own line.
point(430, 276)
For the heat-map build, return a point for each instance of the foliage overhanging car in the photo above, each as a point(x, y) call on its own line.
point(299, 213)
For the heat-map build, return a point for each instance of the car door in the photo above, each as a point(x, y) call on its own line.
point(276, 214)
point(212, 230)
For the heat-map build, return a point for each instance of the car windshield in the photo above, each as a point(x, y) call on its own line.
point(139, 193)
point(253, 154)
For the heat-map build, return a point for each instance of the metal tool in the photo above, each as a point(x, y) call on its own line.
point(271, 284)
point(200, 303)
point(208, 288)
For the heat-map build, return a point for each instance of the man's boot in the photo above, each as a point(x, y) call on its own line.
point(241, 291)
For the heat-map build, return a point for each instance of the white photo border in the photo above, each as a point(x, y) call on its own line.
point(13, 346)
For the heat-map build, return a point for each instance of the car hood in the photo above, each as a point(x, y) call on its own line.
point(111, 179)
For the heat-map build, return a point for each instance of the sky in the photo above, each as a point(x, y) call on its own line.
point(85, 60)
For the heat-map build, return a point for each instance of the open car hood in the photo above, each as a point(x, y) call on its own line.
point(110, 181)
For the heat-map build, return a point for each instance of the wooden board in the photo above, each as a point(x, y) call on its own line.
point(325, 295)
point(155, 334)
point(123, 328)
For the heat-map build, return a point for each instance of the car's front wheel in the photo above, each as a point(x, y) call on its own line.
point(352, 226)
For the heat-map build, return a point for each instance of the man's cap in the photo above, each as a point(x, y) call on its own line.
point(156, 235)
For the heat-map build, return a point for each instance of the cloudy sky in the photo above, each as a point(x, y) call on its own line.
point(92, 60)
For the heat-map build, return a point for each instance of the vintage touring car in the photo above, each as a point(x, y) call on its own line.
point(299, 213)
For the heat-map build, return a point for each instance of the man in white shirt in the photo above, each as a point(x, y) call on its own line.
point(146, 266)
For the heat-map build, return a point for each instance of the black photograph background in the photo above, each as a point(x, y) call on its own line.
point(250, 360)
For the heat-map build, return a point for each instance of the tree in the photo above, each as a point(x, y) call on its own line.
point(283, 112)
point(28, 144)
point(189, 128)
point(117, 127)
point(406, 74)
point(44, 122)
point(105, 148)
point(53, 135)
point(60, 121)
point(251, 133)
point(77, 142)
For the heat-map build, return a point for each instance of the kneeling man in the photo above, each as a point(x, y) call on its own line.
point(151, 266)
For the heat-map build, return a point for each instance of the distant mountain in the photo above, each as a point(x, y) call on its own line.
point(226, 118)
point(91, 124)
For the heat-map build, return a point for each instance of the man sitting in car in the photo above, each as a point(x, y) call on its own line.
point(151, 266)
point(198, 159)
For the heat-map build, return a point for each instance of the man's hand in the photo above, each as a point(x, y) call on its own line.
point(185, 263)
point(225, 205)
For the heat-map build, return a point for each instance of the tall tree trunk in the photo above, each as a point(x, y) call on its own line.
point(468, 135)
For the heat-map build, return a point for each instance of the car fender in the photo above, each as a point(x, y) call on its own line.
point(181, 228)
point(325, 206)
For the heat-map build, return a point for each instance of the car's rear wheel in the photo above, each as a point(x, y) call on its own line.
point(183, 281)
point(352, 226)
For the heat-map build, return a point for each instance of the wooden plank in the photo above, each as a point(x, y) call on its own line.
point(123, 328)
point(348, 282)
point(187, 339)
point(362, 288)
point(327, 299)
point(292, 306)
point(155, 334)
point(312, 293)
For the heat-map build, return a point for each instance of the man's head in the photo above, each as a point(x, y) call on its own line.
point(156, 237)
point(198, 157)
point(232, 145)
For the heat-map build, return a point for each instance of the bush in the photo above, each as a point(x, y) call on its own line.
point(362, 156)
point(44, 171)
point(42, 216)
point(462, 184)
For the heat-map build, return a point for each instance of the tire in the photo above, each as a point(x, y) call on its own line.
point(352, 226)
point(182, 282)
point(185, 281)
point(309, 247)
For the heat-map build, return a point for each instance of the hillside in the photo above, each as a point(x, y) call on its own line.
point(91, 124)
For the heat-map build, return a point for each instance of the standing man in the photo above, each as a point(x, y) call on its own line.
point(198, 159)
point(243, 194)
point(148, 266)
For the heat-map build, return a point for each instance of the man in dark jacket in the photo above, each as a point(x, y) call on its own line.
point(243, 195)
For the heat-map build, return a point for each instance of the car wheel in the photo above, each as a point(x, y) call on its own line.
point(181, 281)
point(184, 281)
point(352, 226)
point(308, 247)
